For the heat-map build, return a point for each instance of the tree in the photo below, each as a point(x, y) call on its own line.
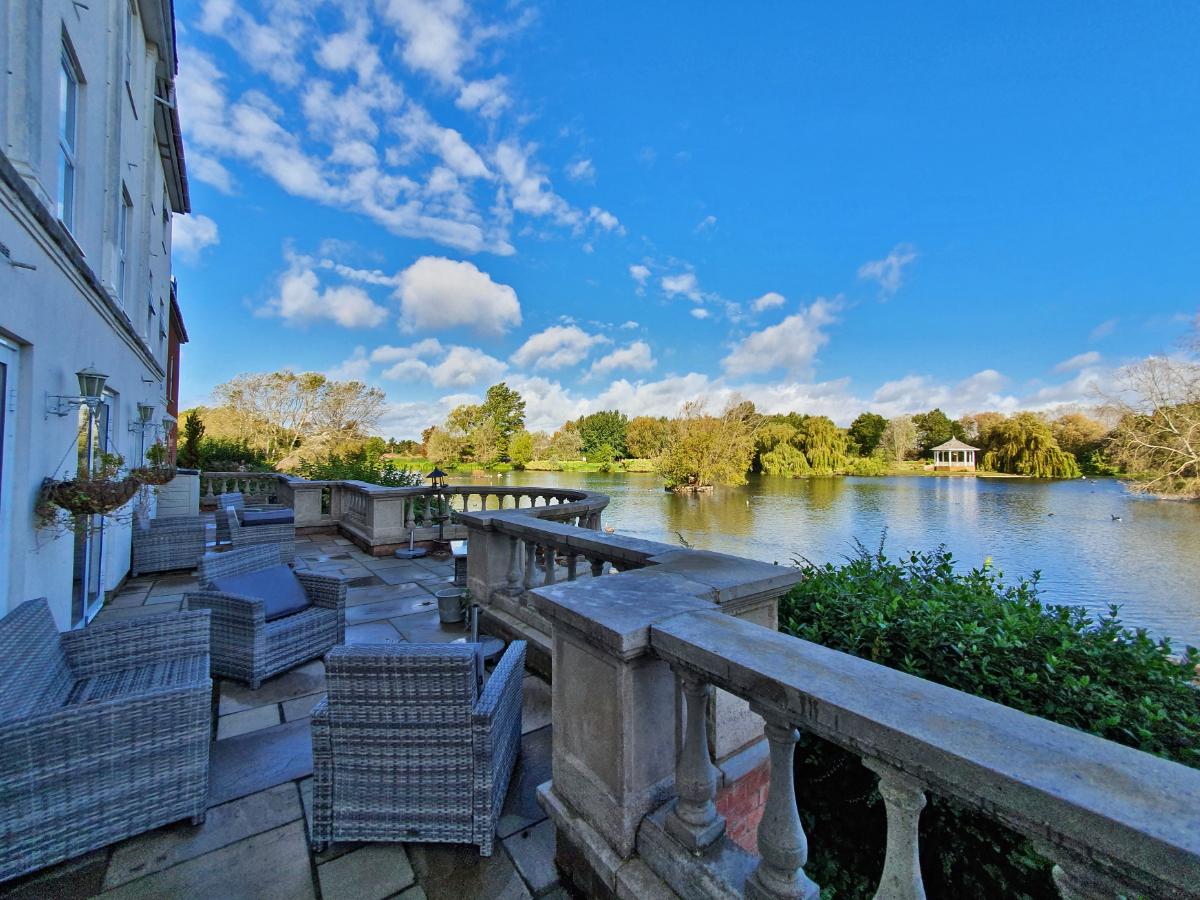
point(773, 434)
point(443, 448)
point(785, 459)
point(646, 436)
point(866, 432)
point(520, 448)
point(605, 427)
point(824, 444)
point(1157, 437)
point(506, 409)
point(485, 443)
point(1023, 445)
point(707, 450)
point(935, 428)
point(1079, 434)
point(899, 438)
point(566, 443)
point(193, 431)
point(541, 445)
point(977, 426)
point(603, 457)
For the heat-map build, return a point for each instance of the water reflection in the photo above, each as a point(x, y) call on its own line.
point(1149, 561)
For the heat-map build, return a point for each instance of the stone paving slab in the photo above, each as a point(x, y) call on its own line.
point(249, 763)
point(247, 720)
point(407, 575)
point(372, 872)
point(273, 865)
point(425, 629)
point(73, 879)
point(532, 852)
point(521, 809)
point(299, 682)
point(226, 824)
point(535, 708)
point(301, 707)
point(456, 872)
point(372, 633)
point(387, 609)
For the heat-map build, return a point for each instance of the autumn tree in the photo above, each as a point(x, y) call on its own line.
point(566, 443)
point(647, 436)
point(976, 426)
point(442, 447)
point(1079, 434)
point(707, 450)
point(866, 431)
point(1157, 437)
point(899, 438)
point(1024, 445)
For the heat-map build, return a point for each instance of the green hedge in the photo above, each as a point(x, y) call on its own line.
point(977, 633)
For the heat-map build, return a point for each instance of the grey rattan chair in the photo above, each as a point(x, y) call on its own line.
point(405, 748)
point(245, 646)
point(104, 732)
point(166, 543)
point(282, 535)
point(237, 500)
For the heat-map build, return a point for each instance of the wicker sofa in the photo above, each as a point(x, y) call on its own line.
point(281, 535)
point(406, 747)
point(237, 500)
point(166, 543)
point(248, 647)
point(104, 732)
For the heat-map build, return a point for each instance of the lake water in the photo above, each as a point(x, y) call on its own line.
point(1149, 562)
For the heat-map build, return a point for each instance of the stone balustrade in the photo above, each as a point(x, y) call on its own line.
point(258, 487)
point(633, 801)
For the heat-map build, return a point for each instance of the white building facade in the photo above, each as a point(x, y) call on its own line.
point(91, 173)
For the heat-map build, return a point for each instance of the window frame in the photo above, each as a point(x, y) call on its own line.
point(70, 80)
point(124, 228)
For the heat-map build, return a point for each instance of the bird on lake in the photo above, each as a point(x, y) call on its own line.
point(1115, 517)
point(1050, 514)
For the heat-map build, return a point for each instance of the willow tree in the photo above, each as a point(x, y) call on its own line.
point(706, 450)
point(785, 459)
point(1024, 445)
point(824, 445)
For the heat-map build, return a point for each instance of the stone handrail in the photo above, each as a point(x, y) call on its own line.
point(259, 487)
point(634, 802)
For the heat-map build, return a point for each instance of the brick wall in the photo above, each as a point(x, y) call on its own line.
point(742, 802)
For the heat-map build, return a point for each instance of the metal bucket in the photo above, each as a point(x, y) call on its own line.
point(450, 605)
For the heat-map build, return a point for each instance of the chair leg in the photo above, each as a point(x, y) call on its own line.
point(198, 820)
point(319, 846)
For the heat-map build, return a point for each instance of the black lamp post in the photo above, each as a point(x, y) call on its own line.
point(437, 480)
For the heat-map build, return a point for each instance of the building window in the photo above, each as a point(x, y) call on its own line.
point(124, 228)
point(129, 14)
point(150, 311)
point(162, 328)
point(68, 135)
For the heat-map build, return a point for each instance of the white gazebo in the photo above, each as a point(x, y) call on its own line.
point(954, 455)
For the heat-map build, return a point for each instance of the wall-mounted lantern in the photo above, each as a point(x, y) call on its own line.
point(91, 394)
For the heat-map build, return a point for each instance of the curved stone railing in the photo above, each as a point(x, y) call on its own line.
point(632, 800)
point(259, 487)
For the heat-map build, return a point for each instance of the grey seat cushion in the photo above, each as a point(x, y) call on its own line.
point(266, 517)
point(278, 587)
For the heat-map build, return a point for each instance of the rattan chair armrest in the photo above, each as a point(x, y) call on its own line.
point(327, 591)
point(508, 677)
point(229, 608)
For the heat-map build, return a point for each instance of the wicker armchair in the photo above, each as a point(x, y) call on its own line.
point(406, 749)
point(104, 732)
point(241, 536)
point(245, 646)
point(237, 500)
point(166, 543)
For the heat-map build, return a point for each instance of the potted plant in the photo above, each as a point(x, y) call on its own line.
point(95, 493)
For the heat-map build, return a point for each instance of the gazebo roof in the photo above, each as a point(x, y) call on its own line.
point(954, 444)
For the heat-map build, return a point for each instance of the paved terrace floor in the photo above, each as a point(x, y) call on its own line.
point(254, 842)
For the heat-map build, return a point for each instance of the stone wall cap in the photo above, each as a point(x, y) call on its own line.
point(730, 578)
point(616, 612)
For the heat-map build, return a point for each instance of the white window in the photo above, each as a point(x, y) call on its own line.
point(124, 240)
point(129, 14)
point(162, 327)
point(68, 135)
point(150, 310)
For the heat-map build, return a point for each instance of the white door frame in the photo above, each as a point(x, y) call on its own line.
point(10, 358)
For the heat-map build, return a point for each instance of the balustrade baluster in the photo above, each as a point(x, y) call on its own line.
point(597, 567)
point(548, 557)
point(694, 821)
point(781, 840)
point(904, 798)
point(572, 566)
point(410, 513)
point(530, 563)
point(514, 564)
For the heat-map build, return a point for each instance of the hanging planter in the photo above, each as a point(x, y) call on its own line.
point(153, 474)
point(102, 492)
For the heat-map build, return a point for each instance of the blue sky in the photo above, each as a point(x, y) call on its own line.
point(823, 207)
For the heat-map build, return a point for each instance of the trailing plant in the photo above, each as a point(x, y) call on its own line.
point(995, 639)
point(158, 472)
point(96, 493)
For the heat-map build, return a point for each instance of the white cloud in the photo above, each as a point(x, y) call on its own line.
point(191, 234)
point(1104, 329)
point(640, 274)
point(210, 171)
point(637, 356)
point(354, 368)
point(556, 347)
point(791, 345)
point(629, 325)
point(531, 191)
point(436, 292)
point(581, 170)
point(302, 300)
point(684, 283)
point(706, 224)
point(767, 301)
point(1079, 361)
point(606, 220)
point(700, 313)
point(489, 98)
point(458, 366)
point(888, 272)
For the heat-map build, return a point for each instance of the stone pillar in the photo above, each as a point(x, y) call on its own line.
point(488, 562)
point(694, 821)
point(306, 503)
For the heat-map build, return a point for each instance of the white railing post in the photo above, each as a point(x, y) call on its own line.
point(781, 840)
point(514, 564)
point(694, 821)
point(904, 798)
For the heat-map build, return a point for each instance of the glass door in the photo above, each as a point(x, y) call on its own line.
point(8, 430)
point(87, 582)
